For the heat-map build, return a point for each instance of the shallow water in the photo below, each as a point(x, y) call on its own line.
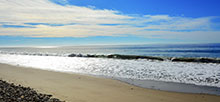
point(207, 74)
point(171, 86)
point(199, 77)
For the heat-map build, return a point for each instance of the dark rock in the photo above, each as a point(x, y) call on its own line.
point(79, 55)
point(12, 93)
point(118, 56)
point(72, 55)
point(88, 55)
point(200, 60)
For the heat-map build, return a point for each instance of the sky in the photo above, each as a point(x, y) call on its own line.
point(94, 22)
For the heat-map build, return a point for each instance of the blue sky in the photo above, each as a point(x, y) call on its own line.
point(189, 8)
point(87, 22)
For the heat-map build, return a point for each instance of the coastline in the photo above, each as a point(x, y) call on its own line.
point(83, 88)
point(173, 86)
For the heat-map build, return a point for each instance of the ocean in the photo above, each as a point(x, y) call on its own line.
point(133, 71)
point(161, 50)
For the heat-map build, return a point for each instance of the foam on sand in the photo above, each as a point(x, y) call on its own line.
point(181, 72)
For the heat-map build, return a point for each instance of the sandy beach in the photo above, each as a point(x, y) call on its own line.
point(82, 88)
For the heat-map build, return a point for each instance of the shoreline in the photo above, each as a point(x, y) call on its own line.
point(165, 85)
point(173, 86)
point(215, 60)
point(179, 72)
point(83, 88)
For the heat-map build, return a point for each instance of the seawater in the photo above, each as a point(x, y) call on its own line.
point(161, 50)
point(131, 71)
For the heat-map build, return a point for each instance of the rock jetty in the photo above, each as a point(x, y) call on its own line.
point(133, 57)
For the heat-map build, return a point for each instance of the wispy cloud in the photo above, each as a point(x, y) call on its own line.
point(42, 18)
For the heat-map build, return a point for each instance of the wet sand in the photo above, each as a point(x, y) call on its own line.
point(171, 86)
point(82, 88)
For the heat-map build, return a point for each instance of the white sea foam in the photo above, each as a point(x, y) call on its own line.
point(182, 72)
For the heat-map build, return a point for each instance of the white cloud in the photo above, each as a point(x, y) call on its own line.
point(87, 21)
point(35, 11)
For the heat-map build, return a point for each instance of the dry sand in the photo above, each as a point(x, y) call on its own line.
point(82, 88)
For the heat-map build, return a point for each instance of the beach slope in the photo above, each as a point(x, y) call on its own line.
point(82, 88)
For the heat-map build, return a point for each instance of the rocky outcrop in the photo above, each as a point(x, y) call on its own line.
point(10, 92)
